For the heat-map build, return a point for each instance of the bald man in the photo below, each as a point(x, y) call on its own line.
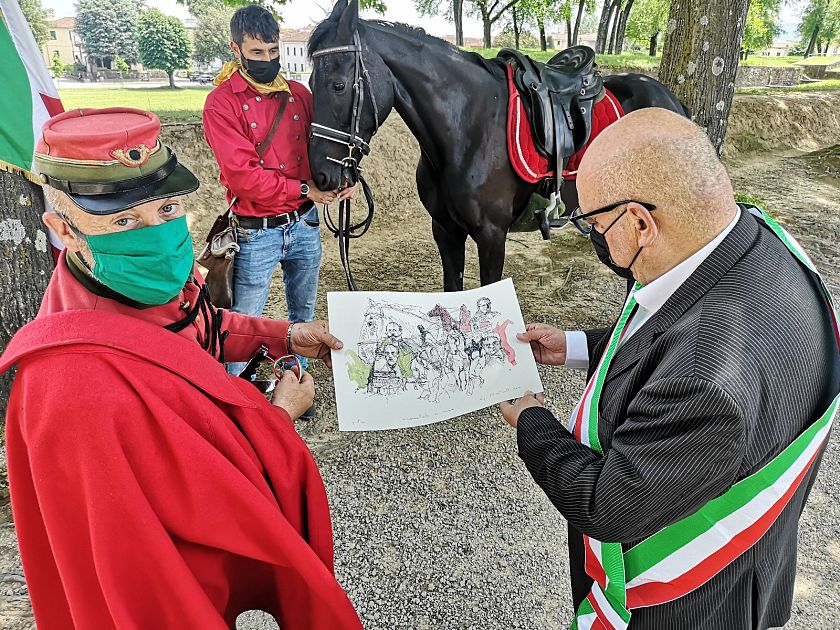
point(691, 453)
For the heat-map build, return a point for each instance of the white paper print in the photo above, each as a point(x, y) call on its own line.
point(415, 358)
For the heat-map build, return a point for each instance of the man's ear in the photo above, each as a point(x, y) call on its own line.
point(234, 48)
point(61, 229)
point(647, 227)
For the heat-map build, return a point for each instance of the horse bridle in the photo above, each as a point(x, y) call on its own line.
point(345, 231)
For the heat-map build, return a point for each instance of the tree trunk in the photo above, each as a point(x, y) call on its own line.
point(615, 13)
point(700, 59)
point(653, 42)
point(485, 17)
point(810, 50)
point(458, 14)
point(172, 79)
point(568, 30)
point(515, 29)
point(26, 265)
point(622, 26)
point(578, 18)
point(543, 42)
point(603, 24)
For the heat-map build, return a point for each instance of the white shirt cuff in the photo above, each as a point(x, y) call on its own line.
point(577, 350)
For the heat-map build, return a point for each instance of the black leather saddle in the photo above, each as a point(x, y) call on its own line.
point(558, 96)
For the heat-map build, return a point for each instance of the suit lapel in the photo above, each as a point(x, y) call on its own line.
point(731, 250)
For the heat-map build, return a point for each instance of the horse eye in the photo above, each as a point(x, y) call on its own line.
point(338, 86)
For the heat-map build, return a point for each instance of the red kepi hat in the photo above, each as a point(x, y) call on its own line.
point(109, 160)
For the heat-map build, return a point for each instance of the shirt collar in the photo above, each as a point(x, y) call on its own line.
point(652, 296)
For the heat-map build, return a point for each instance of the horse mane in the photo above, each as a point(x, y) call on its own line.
point(413, 34)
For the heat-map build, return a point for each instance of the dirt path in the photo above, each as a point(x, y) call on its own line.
point(441, 526)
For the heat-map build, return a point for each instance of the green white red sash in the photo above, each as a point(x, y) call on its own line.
point(686, 554)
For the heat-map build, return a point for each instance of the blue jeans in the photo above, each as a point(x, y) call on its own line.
point(297, 247)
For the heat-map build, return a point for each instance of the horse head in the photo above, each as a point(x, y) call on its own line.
point(349, 105)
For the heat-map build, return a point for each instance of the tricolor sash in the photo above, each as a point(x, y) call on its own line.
point(686, 554)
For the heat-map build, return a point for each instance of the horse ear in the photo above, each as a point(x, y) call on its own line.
point(349, 21)
point(338, 10)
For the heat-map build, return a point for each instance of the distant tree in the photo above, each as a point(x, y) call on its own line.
point(212, 35)
point(163, 43)
point(820, 24)
point(56, 66)
point(453, 10)
point(490, 12)
point(507, 39)
point(647, 21)
point(200, 8)
point(38, 18)
point(108, 28)
point(120, 65)
point(762, 26)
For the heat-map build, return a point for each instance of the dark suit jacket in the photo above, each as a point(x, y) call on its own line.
point(714, 385)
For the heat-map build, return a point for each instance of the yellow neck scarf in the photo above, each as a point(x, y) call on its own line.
point(278, 85)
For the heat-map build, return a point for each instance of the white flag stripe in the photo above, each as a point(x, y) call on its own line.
point(695, 551)
point(585, 621)
point(604, 605)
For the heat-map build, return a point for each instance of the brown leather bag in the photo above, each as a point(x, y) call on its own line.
point(221, 246)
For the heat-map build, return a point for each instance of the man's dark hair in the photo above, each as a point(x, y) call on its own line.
point(254, 22)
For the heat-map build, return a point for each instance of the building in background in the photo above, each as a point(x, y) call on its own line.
point(293, 56)
point(65, 41)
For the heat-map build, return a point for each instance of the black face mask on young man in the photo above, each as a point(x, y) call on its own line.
point(261, 71)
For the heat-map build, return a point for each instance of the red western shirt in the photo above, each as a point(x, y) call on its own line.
point(236, 119)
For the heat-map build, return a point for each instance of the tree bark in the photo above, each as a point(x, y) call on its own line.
point(172, 79)
point(813, 40)
point(603, 24)
point(622, 26)
point(515, 29)
point(458, 15)
point(485, 18)
point(26, 265)
point(615, 13)
point(578, 18)
point(700, 59)
point(569, 31)
point(543, 41)
point(653, 42)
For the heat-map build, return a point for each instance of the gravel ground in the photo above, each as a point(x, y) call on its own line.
point(441, 526)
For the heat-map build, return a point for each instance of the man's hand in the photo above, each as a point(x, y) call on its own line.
point(313, 340)
point(292, 396)
point(348, 193)
point(320, 196)
point(512, 409)
point(547, 343)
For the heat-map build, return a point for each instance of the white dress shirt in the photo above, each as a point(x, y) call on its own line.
point(650, 299)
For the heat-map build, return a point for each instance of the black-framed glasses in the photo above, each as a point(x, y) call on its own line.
point(585, 227)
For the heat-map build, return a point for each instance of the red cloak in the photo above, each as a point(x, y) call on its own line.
point(150, 489)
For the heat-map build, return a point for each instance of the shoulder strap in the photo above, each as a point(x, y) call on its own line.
point(262, 147)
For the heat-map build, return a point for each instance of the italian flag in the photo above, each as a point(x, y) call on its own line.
point(28, 97)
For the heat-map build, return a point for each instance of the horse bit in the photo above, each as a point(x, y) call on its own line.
point(345, 230)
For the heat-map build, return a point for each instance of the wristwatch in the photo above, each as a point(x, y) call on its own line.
point(304, 190)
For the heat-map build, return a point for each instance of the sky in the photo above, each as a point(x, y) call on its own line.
point(300, 13)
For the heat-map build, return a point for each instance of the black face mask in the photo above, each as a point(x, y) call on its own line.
point(599, 244)
point(261, 71)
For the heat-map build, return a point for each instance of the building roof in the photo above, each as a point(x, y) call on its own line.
point(65, 22)
point(296, 35)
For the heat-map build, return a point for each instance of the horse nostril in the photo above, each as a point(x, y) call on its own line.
point(321, 181)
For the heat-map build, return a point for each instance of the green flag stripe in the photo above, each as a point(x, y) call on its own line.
point(662, 544)
point(17, 137)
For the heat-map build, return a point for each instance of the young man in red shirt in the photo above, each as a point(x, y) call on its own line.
point(275, 196)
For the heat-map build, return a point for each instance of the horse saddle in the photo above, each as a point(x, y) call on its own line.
point(558, 97)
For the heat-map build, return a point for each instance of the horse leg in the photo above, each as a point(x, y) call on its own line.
point(491, 253)
point(451, 242)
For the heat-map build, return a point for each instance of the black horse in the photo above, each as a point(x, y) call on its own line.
point(455, 104)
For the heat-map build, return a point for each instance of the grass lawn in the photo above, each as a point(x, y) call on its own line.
point(757, 60)
point(830, 85)
point(172, 105)
point(820, 60)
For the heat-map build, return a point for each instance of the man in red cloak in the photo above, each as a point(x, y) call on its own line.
point(149, 488)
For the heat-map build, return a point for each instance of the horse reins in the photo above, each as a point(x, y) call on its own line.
point(346, 230)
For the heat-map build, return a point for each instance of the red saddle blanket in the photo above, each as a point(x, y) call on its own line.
point(523, 154)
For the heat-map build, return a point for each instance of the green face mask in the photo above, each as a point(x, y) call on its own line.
point(149, 265)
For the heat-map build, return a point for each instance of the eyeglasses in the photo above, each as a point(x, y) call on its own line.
point(585, 227)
